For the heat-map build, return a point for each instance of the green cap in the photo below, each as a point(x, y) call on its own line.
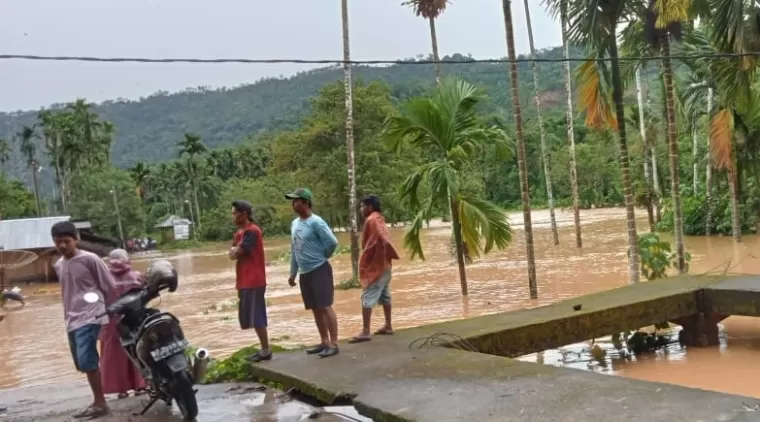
point(300, 193)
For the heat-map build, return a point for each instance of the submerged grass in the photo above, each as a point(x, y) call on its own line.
point(236, 368)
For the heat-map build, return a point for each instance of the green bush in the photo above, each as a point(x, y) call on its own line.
point(694, 210)
point(656, 256)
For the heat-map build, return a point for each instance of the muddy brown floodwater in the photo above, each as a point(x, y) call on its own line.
point(34, 349)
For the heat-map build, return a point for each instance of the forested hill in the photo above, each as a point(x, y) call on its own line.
point(148, 129)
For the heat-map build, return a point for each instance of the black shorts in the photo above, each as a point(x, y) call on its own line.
point(252, 309)
point(317, 289)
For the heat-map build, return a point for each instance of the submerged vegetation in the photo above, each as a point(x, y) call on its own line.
point(235, 368)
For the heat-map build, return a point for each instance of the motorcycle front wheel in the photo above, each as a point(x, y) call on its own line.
point(184, 395)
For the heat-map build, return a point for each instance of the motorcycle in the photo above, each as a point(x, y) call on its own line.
point(154, 342)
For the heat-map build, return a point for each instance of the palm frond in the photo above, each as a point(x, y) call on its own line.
point(412, 238)
point(721, 139)
point(594, 94)
point(485, 226)
point(633, 44)
point(427, 8)
point(671, 11)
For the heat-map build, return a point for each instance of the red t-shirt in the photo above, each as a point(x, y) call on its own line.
point(250, 268)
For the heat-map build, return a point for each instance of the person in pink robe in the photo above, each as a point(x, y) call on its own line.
point(118, 374)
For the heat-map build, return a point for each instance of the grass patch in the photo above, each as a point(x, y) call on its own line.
point(342, 250)
point(349, 284)
point(281, 256)
point(183, 244)
point(235, 368)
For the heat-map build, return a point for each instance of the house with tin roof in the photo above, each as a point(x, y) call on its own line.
point(33, 235)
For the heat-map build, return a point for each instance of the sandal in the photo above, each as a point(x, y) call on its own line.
point(360, 339)
point(384, 332)
point(122, 395)
point(92, 412)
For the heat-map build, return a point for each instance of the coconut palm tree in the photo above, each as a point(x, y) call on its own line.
point(665, 20)
point(570, 117)
point(430, 10)
point(735, 125)
point(191, 147)
point(542, 132)
point(522, 165)
point(735, 113)
point(594, 23)
point(28, 148)
point(446, 125)
point(348, 87)
point(140, 174)
point(634, 44)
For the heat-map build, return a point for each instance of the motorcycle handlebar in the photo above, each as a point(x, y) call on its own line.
point(147, 293)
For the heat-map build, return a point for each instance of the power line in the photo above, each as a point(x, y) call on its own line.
point(357, 62)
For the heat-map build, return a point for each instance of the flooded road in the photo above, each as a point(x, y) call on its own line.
point(34, 349)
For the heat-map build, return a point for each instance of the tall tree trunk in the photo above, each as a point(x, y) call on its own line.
point(197, 205)
point(736, 223)
point(436, 57)
point(521, 159)
point(456, 225)
point(667, 73)
point(708, 171)
point(437, 63)
point(542, 132)
point(194, 186)
point(647, 151)
point(36, 183)
point(655, 167)
point(348, 86)
point(570, 129)
point(625, 164)
point(61, 176)
point(694, 151)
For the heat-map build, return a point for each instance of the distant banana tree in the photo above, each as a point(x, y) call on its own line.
point(446, 125)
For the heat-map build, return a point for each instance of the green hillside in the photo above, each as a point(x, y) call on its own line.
point(148, 129)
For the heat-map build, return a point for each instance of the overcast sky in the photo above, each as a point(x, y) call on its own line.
point(305, 29)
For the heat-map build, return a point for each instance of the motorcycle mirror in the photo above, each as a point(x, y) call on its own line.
point(91, 297)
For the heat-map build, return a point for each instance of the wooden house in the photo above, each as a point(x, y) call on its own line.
point(33, 235)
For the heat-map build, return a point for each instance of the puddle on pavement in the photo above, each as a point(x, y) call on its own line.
point(35, 350)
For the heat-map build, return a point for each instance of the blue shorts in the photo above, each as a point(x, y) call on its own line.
point(252, 308)
point(83, 343)
point(378, 292)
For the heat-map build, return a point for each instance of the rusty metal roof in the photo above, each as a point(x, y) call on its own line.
point(28, 233)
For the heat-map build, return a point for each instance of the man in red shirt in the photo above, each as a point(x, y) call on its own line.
point(250, 268)
point(375, 267)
